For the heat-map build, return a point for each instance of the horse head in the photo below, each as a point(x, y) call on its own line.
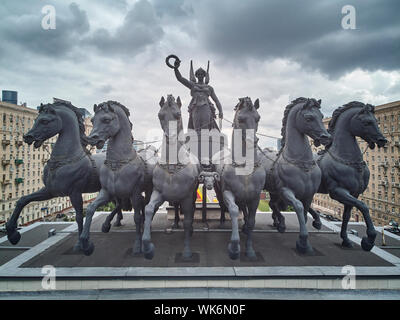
point(170, 116)
point(106, 123)
point(208, 179)
point(309, 121)
point(247, 117)
point(47, 125)
point(364, 125)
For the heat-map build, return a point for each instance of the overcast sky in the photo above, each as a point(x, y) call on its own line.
point(274, 50)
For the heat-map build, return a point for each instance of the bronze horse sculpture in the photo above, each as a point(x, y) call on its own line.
point(345, 175)
point(241, 191)
point(175, 182)
point(123, 175)
point(150, 158)
point(293, 176)
point(69, 162)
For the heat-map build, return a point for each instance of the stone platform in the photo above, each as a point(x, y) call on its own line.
point(278, 264)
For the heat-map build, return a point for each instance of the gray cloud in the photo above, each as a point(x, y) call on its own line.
point(139, 30)
point(24, 29)
point(172, 8)
point(307, 32)
point(272, 50)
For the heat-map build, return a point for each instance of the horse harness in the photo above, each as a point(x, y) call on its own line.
point(358, 165)
point(57, 162)
point(115, 165)
point(306, 166)
point(171, 168)
point(241, 165)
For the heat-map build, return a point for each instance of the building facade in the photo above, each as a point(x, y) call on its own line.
point(22, 166)
point(383, 193)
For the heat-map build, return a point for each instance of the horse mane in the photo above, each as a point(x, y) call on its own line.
point(79, 117)
point(345, 107)
point(287, 111)
point(125, 109)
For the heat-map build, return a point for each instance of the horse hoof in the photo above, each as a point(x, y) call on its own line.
point(317, 224)
point(137, 250)
point(281, 228)
point(117, 224)
point(148, 250)
point(366, 244)
point(175, 226)
point(76, 248)
point(234, 250)
point(14, 237)
point(303, 248)
point(347, 244)
point(88, 250)
point(105, 227)
point(251, 254)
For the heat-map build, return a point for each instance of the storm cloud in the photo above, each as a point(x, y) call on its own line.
point(308, 32)
point(140, 28)
point(23, 29)
point(275, 50)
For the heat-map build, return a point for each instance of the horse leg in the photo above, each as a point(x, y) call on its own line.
point(85, 245)
point(221, 205)
point(107, 223)
point(344, 196)
point(137, 203)
point(194, 198)
point(204, 207)
point(302, 244)
point(317, 221)
point(147, 201)
point(77, 203)
point(277, 216)
point(176, 220)
point(156, 200)
point(343, 232)
point(234, 245)
point(245, 227)
point(222, 218)
point(11, 226)
point(118, 211)
point(306, 207)
point(187, 209)
point(273, 215)
point(251, 220)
